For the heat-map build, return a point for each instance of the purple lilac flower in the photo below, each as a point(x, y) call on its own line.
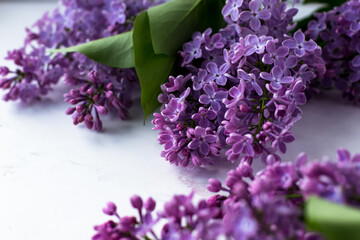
point(266, 205)
point(75, 22)
point(338, 31)
point(246, 95)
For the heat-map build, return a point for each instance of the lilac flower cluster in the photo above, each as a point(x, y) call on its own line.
point(97, 89)
point(241, 88)
point(265, 206)
point(338, 32)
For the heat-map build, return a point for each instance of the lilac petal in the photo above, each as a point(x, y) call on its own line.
point(243, 75)
point(356, 61)
point(255, 24)
point(194, 144)
point(188, 47)
point(209, 90)
point(173, 104)
point(257, 88)
point(245, 16)
point(223, 68)
point(354, 77)
point(204, 148)
point(168, 145)
point(212, 68)
point(197, 42)
point(211, 115)
point(299, 37)
point(264, 14)
point(287, 79)
point(276, 72)
point(227, 9)
point(290, 43)
point(215, 106)
point(249, 50)
point(220, 95)
point(238, 147)
point(234, 92)
point(282, 147)
point(204, 99)
point(282, 51)
point(266, 76)
point(249, 150)
point(291, 61)
point(310, 45)
point(299, 52)
point(210, 138)
point(300, 98)
point(275, 85)
point(254, 5)
point(270, 47)
point(343, 155)
point(234, 14)
point(199, 132)
point(267, 59)
point(298, 87)
point(221, 80)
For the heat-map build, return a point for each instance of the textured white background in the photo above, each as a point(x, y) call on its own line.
point(55, 177)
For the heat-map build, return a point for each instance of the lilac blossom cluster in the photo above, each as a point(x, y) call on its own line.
point(97, 89)
point(241, 88)
point(338, 32)
point(268, 205)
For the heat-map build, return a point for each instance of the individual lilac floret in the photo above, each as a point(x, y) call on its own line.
point(299, 45)
point(338, 32)
point(232, 8)
point(266, 205)
point(255, 15)
point(246, 95)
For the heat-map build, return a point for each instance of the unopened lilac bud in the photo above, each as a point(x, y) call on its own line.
point(96, 98)
point(80, 108)
point(109, 94)
point(214, 185)
point(84, 88)
point(150, 204)
point(272, 158)
point(98, 125)
point(180, 126)
point(80, 119)
point(110, 86)
point(74, 101)
point(74, 92)
point(136, 202)
point(110, 209)
point(91, 91)
point(101, 109)
point(267, 126)
point(245, 169)
point(244, 108)
point(4, 71)
point(93, 76)
point(70, 110)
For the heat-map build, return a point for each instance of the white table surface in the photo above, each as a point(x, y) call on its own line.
point(55, 177)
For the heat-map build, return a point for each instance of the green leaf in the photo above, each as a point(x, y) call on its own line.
point(115, 51)
point(152, 69)
point(332, 220)
point(173, 23)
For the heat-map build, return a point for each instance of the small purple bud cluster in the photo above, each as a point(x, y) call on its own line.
point(338, 32)
point(97, 89)
point(268, 205)
point(242, 89)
